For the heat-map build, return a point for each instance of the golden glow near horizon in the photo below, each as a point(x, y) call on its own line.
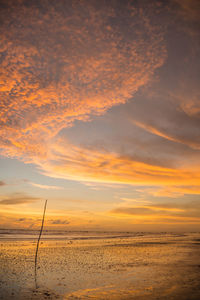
point(100, 113)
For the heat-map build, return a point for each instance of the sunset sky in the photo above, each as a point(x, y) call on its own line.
point(100, 114)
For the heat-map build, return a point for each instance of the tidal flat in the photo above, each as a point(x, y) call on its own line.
point(101, 266)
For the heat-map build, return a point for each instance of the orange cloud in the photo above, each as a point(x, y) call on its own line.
point(66, 63)
point(175, 191)
point(164, 213)
point(92, 165)
point(169, 136)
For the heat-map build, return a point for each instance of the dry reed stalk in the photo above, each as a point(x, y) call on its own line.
point(37, 248)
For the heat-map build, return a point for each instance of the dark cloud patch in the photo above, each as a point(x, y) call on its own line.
point(21, 219)
point(24, 219)
point(2, 183)
point(60, 222)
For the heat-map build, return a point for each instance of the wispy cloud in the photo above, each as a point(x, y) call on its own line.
point(93, 165)
point(162, 211)
point(191, 142)
point(137, 201)
point(46, 187)
point(18, 198)
point(146, 210)
point(174, 191)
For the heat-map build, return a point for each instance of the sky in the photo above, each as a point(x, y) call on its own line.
point(100, 114)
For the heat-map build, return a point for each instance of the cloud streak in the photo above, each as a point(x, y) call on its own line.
point(164, 212)
point(46, 187)
point(95, 165)
point(18, 198)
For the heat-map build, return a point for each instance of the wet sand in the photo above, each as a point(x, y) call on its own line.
point(153, 266)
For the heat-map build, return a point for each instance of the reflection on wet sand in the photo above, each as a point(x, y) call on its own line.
point(153, 266)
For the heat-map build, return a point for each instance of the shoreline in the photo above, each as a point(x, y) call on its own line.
point(119, 268)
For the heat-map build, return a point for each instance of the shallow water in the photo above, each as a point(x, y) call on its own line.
point(101, 266)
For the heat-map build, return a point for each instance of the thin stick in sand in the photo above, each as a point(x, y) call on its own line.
point(37, 248)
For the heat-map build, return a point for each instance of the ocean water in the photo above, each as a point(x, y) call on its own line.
point(100, 265)
point(29, 234)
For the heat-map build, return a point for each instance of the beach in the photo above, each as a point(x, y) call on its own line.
point(94, 265)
